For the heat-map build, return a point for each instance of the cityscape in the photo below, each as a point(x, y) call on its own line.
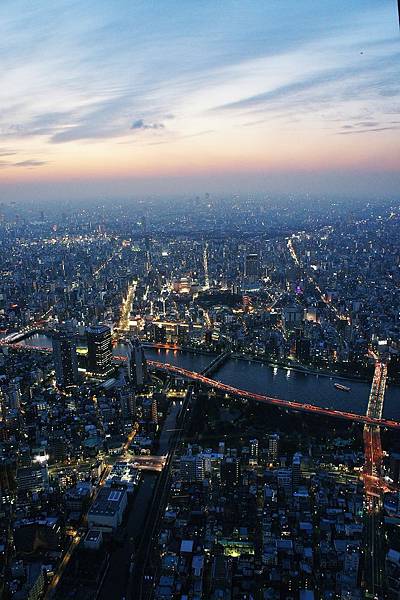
point(165, 398)
point(199, 301)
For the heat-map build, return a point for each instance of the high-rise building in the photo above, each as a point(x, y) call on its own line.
point(284, 479)
point(273, 446)
point(154, 410)
point(230, 471)
point(252, 267)
point(296, 469)
point(303, 349)
point(100, 359)
point(254, 448)
point(127, 401)
point(191, 468)
point(65, 359)
point(138, 364)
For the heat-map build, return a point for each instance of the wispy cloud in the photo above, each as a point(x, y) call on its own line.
point(369, 130)
point(132, 76)
point(332, 85)
point(140, 124)
point(30, 163)
point(7, 153)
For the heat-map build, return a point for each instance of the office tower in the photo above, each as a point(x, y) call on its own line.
point(154, 410)
point(303, 349)
point(230, 471)
point(100, 359)
point(254, 448)
point(252, 267)
point(296, 469)
point(138, 364)
point(65, 359)
point(273, 446)
point(284, 479)
point(191, 468)
point(127, 401)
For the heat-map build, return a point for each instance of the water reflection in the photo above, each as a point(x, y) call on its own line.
point(287, 384)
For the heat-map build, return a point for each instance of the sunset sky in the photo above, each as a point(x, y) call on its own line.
point(124, 97)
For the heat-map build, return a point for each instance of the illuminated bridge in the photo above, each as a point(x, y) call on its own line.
point(287, 404)
point(374, 487)
point(368, 419)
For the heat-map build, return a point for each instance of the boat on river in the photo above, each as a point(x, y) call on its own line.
point(342, 388)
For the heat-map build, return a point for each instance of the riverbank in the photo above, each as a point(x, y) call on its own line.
point(302, 368)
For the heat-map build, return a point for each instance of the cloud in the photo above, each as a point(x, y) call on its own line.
point(140, 124)
point(369, 130)
point(30, 163)
point(174, 138)
point(325, 85)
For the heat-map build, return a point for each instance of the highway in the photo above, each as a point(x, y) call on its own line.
point(287, 404)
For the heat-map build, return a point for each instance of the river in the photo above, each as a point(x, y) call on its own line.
point(287, 384)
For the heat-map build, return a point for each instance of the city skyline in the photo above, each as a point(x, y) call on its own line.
point(133, 99)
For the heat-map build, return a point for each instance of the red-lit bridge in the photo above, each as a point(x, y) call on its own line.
point(288, 404)
point(374, 487)
point(367, 419)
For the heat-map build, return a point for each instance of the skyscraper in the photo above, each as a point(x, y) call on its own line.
point(296, 469)
point(100, 359)
point(273, 446)
point(252, 267)
point(254, 448)
point(127, 401)
point(230, 471)
point(138, 364)
point(65, 359)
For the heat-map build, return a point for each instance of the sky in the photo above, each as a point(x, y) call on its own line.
point(130, 97)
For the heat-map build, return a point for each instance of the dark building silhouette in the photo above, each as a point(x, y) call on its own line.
point(230, 471)
point(65, 359)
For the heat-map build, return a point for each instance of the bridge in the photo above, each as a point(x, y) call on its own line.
point(372, 438)
point(286, 404)
point(216, 364)
point(374, 486)
point(372, 418)
point(149, 463)
point(18, 336)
